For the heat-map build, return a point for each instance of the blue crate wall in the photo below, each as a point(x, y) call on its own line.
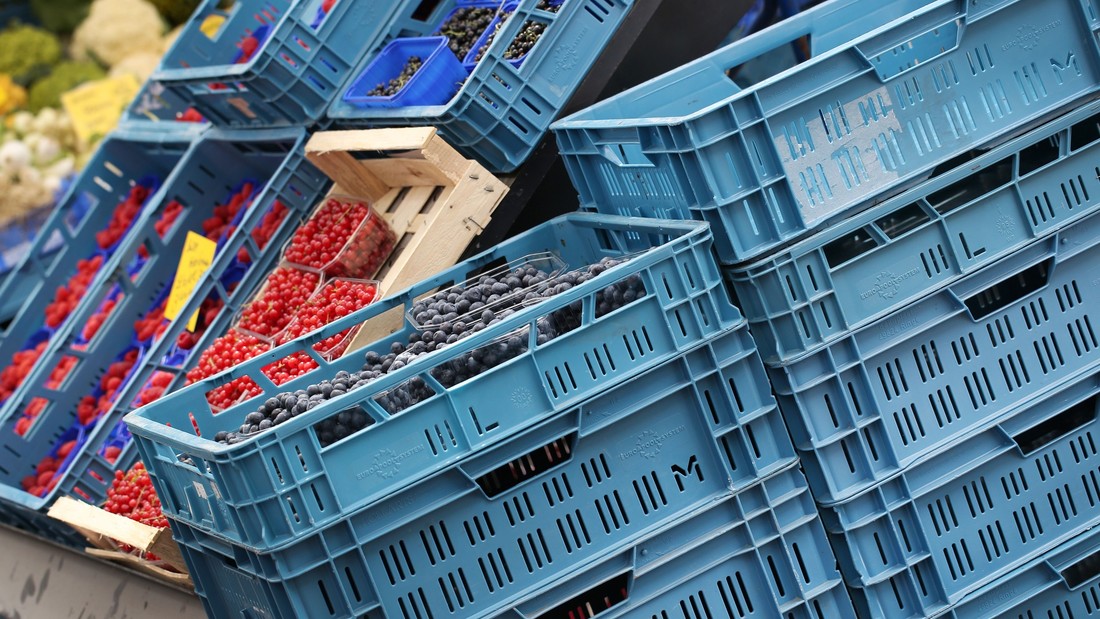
point(878, 399)
point(593, 479)
point(977, 209)
point(209, 173)
point(762, 548)
point(294, 74)
point(249, 482)
point(819, 142)
point(1062, 583)
point(968, 514)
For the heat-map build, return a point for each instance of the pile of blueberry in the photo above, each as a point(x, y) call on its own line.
point(525, 40)
point(395, 85)
point(444, 319)
point(464, 28)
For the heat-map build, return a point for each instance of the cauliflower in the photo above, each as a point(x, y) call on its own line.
point(15, 156)
point(116, 29)
point(47, 91)
point(27, 52)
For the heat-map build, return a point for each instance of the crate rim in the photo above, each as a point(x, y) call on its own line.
point(798, 23)
point(148, 429)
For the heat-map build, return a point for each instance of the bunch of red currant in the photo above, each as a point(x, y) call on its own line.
point(67, 297)
point(333, 301)
point(285, 290)
point(344, 238)
point(123, 215)
point(132, 495)
point(268, 226)
point(45, 478)
point(37, 405)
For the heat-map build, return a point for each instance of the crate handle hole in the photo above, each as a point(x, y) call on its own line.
point(1069, 420)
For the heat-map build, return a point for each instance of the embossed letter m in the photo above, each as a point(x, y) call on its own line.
point(1060, 67)
point(680, 472)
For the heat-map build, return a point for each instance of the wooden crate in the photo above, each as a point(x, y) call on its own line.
point(436, 201)
point(106, 532)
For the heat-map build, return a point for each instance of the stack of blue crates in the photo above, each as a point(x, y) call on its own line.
point(632, 460)
point(908, 221)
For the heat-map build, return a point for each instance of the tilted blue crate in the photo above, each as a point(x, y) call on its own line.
point(873, 402)
point(207, 174)
point(1065, 582)
point(975, 212)
point(819, 142)
point(122, 160)
point(299, 64)
point(770, 559)
point(697, 431)
point(972, 512)
point(240, 492)
point(502, 111)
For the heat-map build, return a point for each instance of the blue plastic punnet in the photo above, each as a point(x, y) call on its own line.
point(436, 80)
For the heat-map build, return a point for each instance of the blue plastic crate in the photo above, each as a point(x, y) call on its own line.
point(295, 72)
point(209, 172)
point(683, 436)
point(819, 142)
point(154, 107)
point(972, 512)
point(988, 206)
point(1063, 583)
point(434, 83)
point(763, 547)
point(122, 160)
point(868, 405)
point(282, 483)
point(502, 111)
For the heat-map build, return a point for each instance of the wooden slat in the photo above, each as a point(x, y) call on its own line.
point(447, 230)
point(350, 174)
point(377, 140)
point(92, 521)
point(396, 172)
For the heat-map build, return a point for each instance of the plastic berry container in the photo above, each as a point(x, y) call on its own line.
point(437, 80)
point(333, 300)
point(272, 308)
point(344, 237)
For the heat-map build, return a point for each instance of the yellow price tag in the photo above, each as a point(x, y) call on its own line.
point(95, 107)
point(197, 255)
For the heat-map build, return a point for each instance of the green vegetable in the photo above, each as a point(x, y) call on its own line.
point(27, 52)
point(60, 16)
point(47, 91)
point(175, 12)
